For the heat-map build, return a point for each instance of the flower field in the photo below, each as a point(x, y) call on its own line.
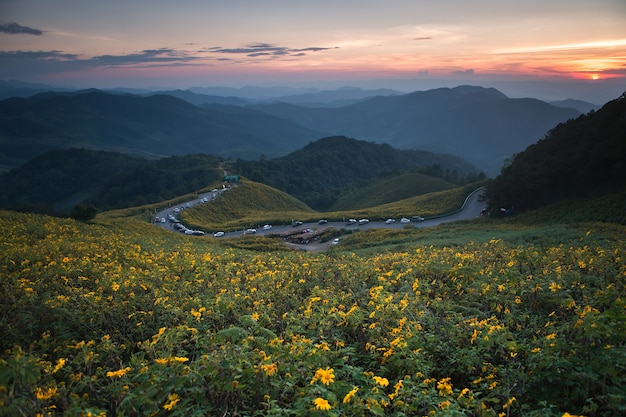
point(105, 320)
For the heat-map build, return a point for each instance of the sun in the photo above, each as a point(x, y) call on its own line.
point(595, 77)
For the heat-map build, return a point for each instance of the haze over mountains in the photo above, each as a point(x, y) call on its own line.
point(479, 124)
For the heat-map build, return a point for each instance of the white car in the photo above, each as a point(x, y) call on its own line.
point(335, 241)
point(405, 220)
point(249, 231)
point(389, 221)
point(351, 221)
point(267, 227)
point(363, 221)
point(218, 234)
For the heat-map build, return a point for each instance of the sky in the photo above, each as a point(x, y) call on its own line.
point(549, 49)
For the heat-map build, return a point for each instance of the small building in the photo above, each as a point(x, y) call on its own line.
point(306, 237)
point(231, 178)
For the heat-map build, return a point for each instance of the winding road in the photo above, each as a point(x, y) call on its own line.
point(472, 208)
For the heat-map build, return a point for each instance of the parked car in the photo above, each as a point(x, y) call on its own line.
point(405, 220)
point(322, 221)
point(335, 241)
point(249, 231)
point(417, 219)
point(296, 223)
point(363, 221)
point(351, 221)
point(389, 221)
point(267, 227)
point(218, 234)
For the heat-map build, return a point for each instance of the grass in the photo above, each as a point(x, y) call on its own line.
point(252, 204)
point(388, 190)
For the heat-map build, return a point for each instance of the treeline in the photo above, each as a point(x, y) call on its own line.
point(58, 181)
point(584, 157)
point(323, 170)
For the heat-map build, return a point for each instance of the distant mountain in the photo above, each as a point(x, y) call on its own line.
point(200, 99)
point(15, 88)
point(480, 124)
point(253, 92)
point(582, 106)
point(155, 126)
point(333, 98)
point(583, 157)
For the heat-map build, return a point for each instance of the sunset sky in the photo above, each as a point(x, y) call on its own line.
point(558, 48)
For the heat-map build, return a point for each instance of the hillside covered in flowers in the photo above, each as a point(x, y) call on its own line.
point(105, 319)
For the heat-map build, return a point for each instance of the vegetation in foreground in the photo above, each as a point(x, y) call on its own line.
point(105, 319)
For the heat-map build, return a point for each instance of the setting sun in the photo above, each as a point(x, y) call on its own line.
point(595, 77)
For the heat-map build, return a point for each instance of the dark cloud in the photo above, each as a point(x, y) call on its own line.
point(15, 29)
point(37, 55)
point(151, 56)
point(265, 49)
point(15, 64)
point(466, 72)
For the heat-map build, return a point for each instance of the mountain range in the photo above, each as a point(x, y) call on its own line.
point(481, 125)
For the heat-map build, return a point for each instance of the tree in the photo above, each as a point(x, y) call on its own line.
point(83, 212)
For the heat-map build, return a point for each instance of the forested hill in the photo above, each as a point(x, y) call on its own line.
point(321, 171)
point(580, 158)
point(159, 125)
point(56, 181)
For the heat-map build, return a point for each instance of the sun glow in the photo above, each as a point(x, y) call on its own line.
point(595, 77)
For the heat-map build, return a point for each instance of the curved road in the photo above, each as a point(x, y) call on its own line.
point(472, 209)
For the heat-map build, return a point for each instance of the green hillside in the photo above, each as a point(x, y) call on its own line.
point(390, 189)
point(582, 158)
point(247, 204)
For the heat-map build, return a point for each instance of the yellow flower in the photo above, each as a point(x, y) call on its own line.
point(349, 395)
point(325, 376)
point(161, 361)
point(270, 369)
point(383, 382)
point(180, 359)
point(120, 373)
point(321, 404)
point(59, 365)
point(444, 386)
point(173, 399)
point(255, 316)
point(444, 405)
point(45, 395)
